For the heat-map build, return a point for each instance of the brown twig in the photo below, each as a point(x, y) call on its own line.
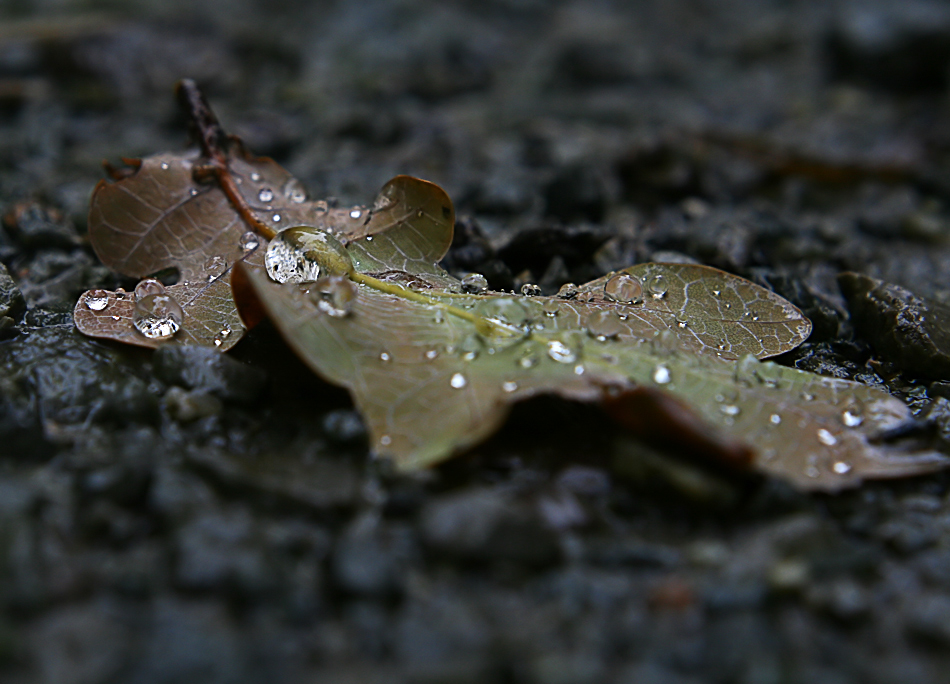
point(215, 145)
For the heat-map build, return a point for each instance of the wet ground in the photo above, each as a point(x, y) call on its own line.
point(167, 520)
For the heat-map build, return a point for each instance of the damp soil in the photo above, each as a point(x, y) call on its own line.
point(180, 516)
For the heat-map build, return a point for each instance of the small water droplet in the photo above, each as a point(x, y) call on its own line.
point(334, 296)
point(149, 286)
point(681, 324)
point(222, 335)
point(623, 288)
point(662, 375)
point(249, 241)
point(320, 207)
point(658, 286)
point(560, 352)
point(567, 291)
point(97, 300)
point(531, 290)
point(265, 195)
point(509, 386)
point(385, 440)
point(841, 467)
point(458, 381)
point(775, 419)
point(120, 293)
point(276, 218)
point(826, 437)
point(355, 213)
point(578, 369)
point(730, 409)
point(603, 325)
point(215, 266)
point(294, 191)
point(551, 307)
point(193, 192)
point(116, 318)
point(438, 316)
point(164, 166)
point(812, 471)
point(808, 396)
point(716, 293)
point(474, 283)
point(255, 176)
point(528, 361)
point(431, 354)
point(851, 419)
point(157, 316)
point(385, 357)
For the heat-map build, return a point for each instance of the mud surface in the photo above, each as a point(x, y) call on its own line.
point(165, 519)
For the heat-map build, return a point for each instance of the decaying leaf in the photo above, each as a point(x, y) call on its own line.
point(673, 351)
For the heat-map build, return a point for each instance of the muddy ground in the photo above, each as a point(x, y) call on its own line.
point(150, 535)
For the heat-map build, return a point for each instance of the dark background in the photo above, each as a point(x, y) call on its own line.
point(161, 527)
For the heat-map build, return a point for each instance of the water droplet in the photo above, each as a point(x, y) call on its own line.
point(716, 293)
point(730, 409)
point(222, 335)
point(438, 316)
point(431, 354)
point(775, 419)
point(623, 288)
point(851, 419)
point(97, 300)
point(334, 296)
point(567, 291)
point(603, 325)
point(265, 195)
point(164, 166)
point(215, 266)
point(661, 375)
point(551, 307)
point(385, 440)
point(470, 347)
point(808, 396)
point(249, 241)
point(474, 283)
point(841, 467)
point(193, 192)
point(157, 316)
point(531, 290)
point(149, 286)
point(301, 254)
point(682, 324)
point(355, 213)
point(255, 176)
point(812, 471)
point(276, 218)
point(120, 293)
point(658, 286)
point(385, 357)
point(578, 369)
point(294, 191)
point(826, 437)
point(529, 360)
point(560, 352)
point(507, 310)
point(458, 381)
point(509, 386)
point(320, 206)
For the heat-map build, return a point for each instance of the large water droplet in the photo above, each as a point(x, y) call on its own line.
point(561, 352)
point(334, 296)
point(458, 381)
point(658, 286)
point(157, 316)
point(851, 420)
point(474, 283)
point(624, 288)
point(661, 375)
point(149, 286)
point(603, 325)
point(826, 437)
point(507, 310)
point(265, 195)
point(531, 290)
point(301, 254)
point(97, 300)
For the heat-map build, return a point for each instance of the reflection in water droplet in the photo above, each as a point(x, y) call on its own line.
point(560, 352)
point(603, 325)
point(775, 419)
point(567, 291)
point(509, 386)
point(299, 255)
point(841, 467)
point(551, 307)
point(385, 357)
point(658, 286)
point(355, 213)
point(334, 296)
point(730, 409)
point(249, 241)
point(474, 283)
point(149, 286)
point(661, 375)
point(458, 381)
point(265, 195)
point(826, 437)
point(157, 316)
point(624, 288)
point(531, 290)
point(851, 419)
point(97, 300)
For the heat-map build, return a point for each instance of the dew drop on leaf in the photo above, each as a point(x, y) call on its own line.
point(658, 286)
point(97, 300)
point(851, 420)
point(775, 419)
point(265, 195)
point(255, 176)
point(567, 291)
point(551, 307)
point(215, 266)
point(249, 241)
point(157, 316)
point(385, 357)
point(334, 296)
point(458, 381)
point(624, 288)
point(661, 375)
point(603, 325)
point(474, 283)
point(149, 286)
point(355, 213)
point(561, 352)
point(509, 386)
point(841, 467)
point(730, 409)
point(531, 290)
point(299, 255)
point(294, 191)
point(431, 354)
point(507, 310)
point(529, 360)
point(826, 437)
